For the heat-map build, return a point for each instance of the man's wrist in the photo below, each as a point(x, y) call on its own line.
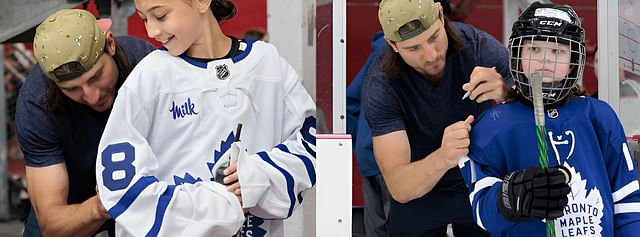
point(438, 159)
point(98, 212)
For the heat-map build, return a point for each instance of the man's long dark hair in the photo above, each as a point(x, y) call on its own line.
point(393, 65)
point(57, 101)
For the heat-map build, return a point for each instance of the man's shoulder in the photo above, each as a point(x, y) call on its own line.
point(466, 28)
point(374, 78)
point(134, 48)
point(483, 48)
point(35, 84)
point(471, 34)
point(128, 40)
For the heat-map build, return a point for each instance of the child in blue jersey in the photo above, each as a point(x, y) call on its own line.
point(591, 187)
point(175, 122)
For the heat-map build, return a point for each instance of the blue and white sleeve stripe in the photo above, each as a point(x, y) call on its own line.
point(288, 178)
point(130, 196)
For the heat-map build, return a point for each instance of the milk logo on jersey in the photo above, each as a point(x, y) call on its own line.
point(222, 72)
point(584, 211)
point(182, 110)
point(562, 144)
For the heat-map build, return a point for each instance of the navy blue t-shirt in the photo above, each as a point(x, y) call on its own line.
point(72, 136)
point(410, 103)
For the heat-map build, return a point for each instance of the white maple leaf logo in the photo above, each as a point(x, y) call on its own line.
point(583, 214)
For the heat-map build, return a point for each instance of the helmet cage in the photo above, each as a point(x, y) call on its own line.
point(552, 92)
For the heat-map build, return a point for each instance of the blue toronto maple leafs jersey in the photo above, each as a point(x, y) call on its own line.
point(584, 136)
point(173, 119)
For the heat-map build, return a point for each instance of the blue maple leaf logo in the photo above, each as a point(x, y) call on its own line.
point(187, 179)
point(224, 146)
point(252, 227)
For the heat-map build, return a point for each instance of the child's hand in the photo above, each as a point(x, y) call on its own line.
point(232, 182)
point(534, 192)
point(231, 177)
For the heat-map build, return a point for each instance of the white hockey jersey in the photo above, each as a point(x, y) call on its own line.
point(172, 120)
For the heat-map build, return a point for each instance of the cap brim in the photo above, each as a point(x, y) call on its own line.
point(104, 24)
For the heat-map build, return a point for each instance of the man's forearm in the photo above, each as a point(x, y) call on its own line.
point(81, 219)
point(415, 179)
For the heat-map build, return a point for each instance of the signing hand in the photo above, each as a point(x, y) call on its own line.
point(487, 84)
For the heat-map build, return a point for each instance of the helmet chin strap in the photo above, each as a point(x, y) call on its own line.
point(550, 94)
point(553, 94)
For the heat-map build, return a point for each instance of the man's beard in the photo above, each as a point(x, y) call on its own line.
point(434, 79)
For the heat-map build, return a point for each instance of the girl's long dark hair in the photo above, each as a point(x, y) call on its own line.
point(223, 9)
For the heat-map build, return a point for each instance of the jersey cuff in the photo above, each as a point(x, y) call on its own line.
point(253, 181)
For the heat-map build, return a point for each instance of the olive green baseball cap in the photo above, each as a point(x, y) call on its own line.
point(393, 14)
point(69, 37)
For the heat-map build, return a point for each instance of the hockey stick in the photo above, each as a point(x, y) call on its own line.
point(538, 109)
point(238, 131)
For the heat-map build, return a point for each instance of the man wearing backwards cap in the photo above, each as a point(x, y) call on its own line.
point(61, 112)
point(420, 125)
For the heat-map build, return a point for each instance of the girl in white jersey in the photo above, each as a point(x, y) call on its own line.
point(175, 120)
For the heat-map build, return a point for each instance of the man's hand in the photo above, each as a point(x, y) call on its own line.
point(100, 209)
point(48, 190)
point(534, 192)
point(487, 84)
point(455, 142)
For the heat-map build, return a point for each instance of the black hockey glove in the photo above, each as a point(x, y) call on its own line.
point(533, 192)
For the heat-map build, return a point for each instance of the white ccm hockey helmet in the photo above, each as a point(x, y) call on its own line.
point(555, 25)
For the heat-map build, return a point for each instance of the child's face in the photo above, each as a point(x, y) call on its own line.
point(549, 58)
point(174, 23)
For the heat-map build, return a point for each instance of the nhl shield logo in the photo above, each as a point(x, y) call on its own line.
point(222, 71)
point(553, 113)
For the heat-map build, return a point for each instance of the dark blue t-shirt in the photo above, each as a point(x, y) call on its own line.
point(71, 136)
point(410, 103)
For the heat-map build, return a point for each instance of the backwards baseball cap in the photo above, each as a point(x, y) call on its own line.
point(71, 38)
point(393, 14)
